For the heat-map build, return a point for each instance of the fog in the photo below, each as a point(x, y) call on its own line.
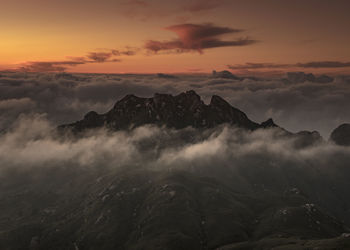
point(32, 142)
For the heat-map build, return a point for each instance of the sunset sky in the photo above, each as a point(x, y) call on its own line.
point(183, 36)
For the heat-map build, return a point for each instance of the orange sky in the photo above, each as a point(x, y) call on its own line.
point(185, 35)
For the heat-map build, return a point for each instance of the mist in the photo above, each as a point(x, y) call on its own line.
point(32, 142)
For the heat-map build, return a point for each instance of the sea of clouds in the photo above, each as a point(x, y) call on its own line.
point(65, 98)
point(32, 105)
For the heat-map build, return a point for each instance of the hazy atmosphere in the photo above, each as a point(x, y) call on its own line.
point(153, 125)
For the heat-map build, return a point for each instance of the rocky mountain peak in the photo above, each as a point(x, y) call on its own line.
point(269, 123)
point(183, 110)
point(217, 101)
point(180, 111)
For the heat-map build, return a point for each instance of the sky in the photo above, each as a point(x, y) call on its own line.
point(184, 36)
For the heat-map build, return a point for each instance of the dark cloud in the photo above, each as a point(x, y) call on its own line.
point(319, 64)
point(108, 55)
point(324, 64)
point(127, 52)
point(197, 37)
point(103, 56)
point(99, 56)
point(249, 66)
point(54, 66)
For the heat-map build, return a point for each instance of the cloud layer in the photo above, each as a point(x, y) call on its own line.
point(65, 98)
point(157, 148)
point(314, 65)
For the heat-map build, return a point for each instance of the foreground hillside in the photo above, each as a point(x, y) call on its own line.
point(253, 208)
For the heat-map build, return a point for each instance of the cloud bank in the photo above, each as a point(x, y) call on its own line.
point(31, 144)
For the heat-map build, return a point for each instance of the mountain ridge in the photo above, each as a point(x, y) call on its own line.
point(179, 111)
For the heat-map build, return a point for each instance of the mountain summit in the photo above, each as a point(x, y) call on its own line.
point(180, 111)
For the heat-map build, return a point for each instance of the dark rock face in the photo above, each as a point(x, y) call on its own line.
point(268, 124)
point(341, 135)
point(180, 111)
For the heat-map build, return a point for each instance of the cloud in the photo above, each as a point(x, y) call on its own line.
point(108, 55)
point(103, 56)
point(65, 98)
point(208, 152)
point(128, 52)
point(249, 66)
point(197, 37)
point(48, 66)
point(318, 64)
point(324, 64)
point(11, 108)
point(99, 56)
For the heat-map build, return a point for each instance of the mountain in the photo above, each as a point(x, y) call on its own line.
point(225, 74)
point(180, 111)
point(257, 207)
point(341, 135)
point(300, 77)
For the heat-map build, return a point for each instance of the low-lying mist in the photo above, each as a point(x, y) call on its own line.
point(32, 142)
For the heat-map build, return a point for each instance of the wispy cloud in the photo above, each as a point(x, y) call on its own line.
point(324, 64)
point(100, 56)
point(249, 66)
point(316, 64)
point(48, 66)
